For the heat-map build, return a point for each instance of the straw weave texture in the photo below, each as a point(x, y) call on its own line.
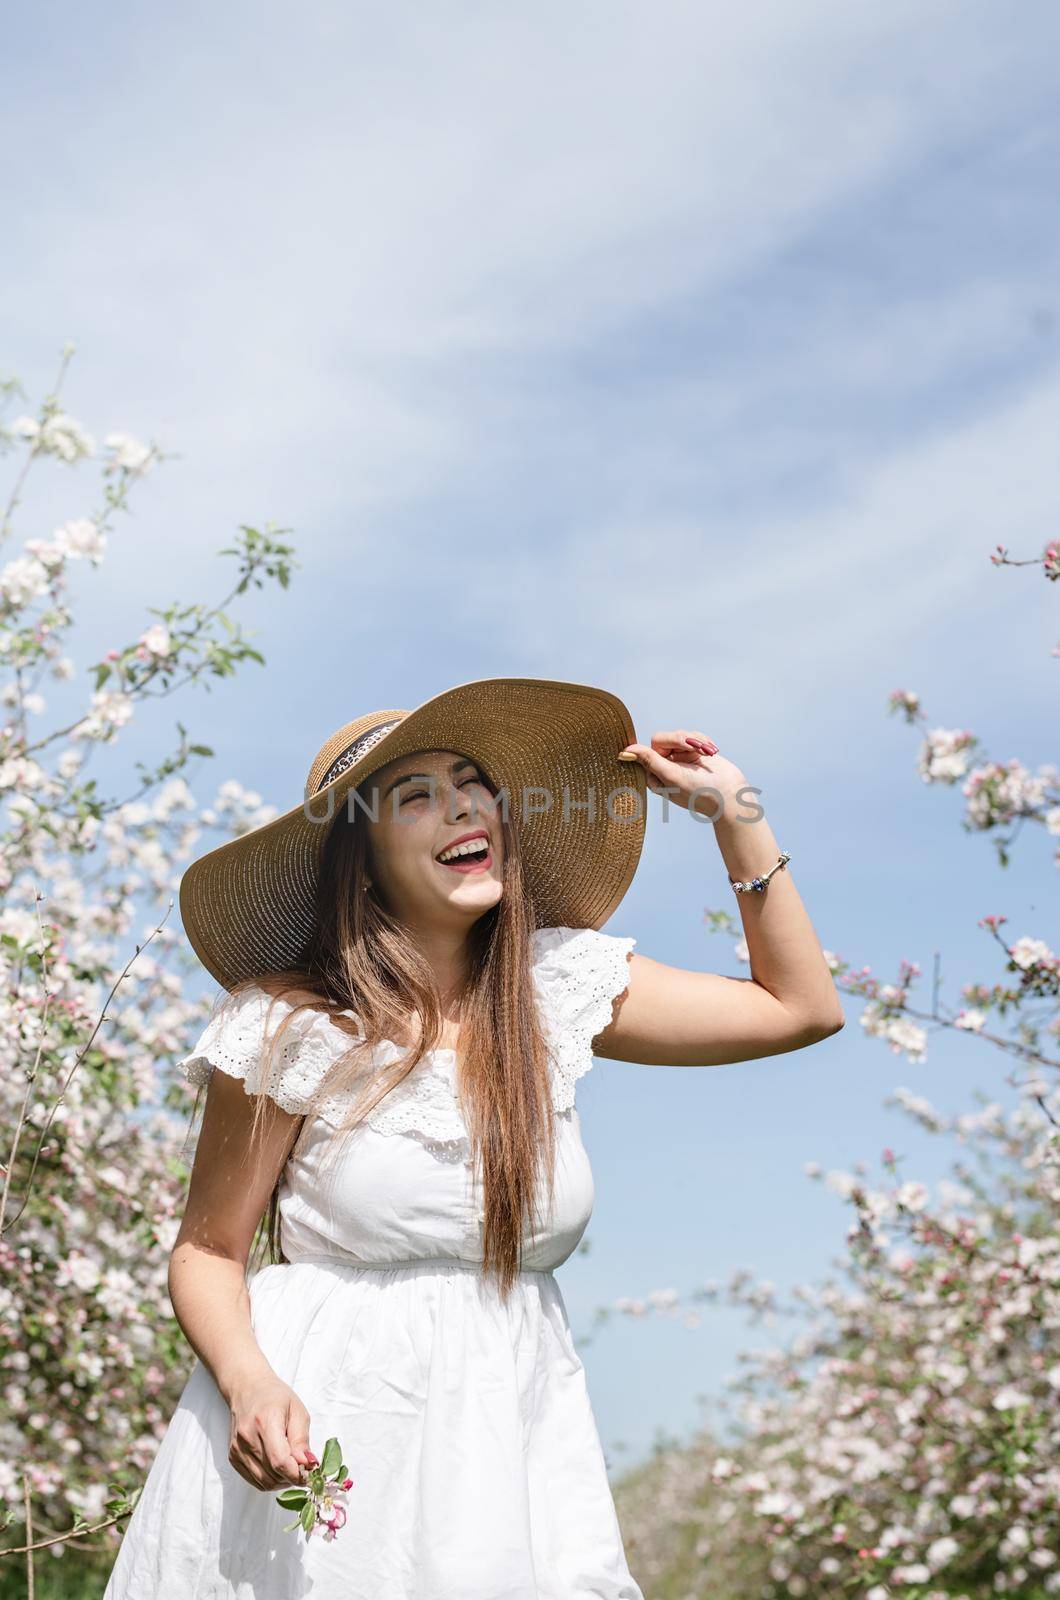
point(248, 905)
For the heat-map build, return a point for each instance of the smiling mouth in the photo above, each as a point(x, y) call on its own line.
point(478, 858)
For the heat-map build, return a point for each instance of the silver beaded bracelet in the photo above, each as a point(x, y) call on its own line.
point(760, 883)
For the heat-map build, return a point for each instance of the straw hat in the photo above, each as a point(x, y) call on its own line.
point(249, 906)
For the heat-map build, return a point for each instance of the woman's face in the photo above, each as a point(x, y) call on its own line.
point(419, 806)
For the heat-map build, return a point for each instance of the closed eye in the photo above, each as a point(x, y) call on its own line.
point(417, 794)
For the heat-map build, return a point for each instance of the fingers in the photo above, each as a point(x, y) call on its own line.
point(261, 1452)
point(650, 759)
point(678, 742)
point(280, 1459)
point(652, 763)
point(669, 739)
point(259, 1471)
point(298, 1434)
point(681, 745)
point(250, 1464)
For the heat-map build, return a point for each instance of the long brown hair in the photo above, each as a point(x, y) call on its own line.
point(361, 958)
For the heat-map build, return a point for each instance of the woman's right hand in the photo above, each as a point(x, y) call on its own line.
point(269, 1434)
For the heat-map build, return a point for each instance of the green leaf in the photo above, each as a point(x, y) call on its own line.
point(331, 1460)
point(292, 1497)
point(308, 1516)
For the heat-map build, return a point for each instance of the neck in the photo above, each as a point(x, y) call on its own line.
point(445, 951)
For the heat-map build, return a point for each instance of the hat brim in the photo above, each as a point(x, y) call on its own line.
point(248, 906)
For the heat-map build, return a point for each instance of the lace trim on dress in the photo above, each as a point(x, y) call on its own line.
point(577, 972)
point(236, 1037)
point(425, 1104)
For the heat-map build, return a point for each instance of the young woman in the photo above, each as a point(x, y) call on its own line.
point(414, 983)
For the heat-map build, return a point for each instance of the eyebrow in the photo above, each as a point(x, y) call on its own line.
point(428, 777)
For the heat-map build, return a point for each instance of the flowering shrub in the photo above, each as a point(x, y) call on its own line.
point(93, 1011)
point(907, 1443)
point(998, 792)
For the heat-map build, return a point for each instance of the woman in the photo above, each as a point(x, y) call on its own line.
point(415, 982)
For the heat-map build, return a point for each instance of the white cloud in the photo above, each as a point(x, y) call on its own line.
point(335, 231)
point(555, 290)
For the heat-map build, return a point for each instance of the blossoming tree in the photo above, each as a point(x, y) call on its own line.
point(93, 1012)
point(907, 1443)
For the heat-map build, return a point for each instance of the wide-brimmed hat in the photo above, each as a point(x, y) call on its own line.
point(249, 906)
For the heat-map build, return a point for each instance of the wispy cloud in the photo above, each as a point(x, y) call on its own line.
point(335, 252)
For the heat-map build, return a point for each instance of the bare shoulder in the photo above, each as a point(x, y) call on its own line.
point(671, 1016)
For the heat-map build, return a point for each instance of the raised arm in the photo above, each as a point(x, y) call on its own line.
point(669, 1016)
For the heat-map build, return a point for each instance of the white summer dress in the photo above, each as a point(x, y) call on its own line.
point(465, 1424)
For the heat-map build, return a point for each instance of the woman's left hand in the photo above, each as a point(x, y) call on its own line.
point(682, 763)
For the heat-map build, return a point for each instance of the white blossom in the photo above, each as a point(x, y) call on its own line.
point(913, 1196)
point(1010, 1399)
point(60, 436)
point(128, 453)
point(157, 639)
point(899, 1032)
point(79, 1270)
point(110, 709)
point(944, 755)
point(23, 579)
point(81, 537)
point(1028, 953)
point(942, 1551)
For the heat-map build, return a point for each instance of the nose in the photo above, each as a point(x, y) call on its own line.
point(458, 804)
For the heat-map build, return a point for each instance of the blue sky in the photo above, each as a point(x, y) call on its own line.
point(697, 354)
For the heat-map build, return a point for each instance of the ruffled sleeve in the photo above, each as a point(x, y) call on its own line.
point(235, 1040)
point(579, 973)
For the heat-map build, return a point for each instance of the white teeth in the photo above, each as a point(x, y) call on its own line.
point(472, 846)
